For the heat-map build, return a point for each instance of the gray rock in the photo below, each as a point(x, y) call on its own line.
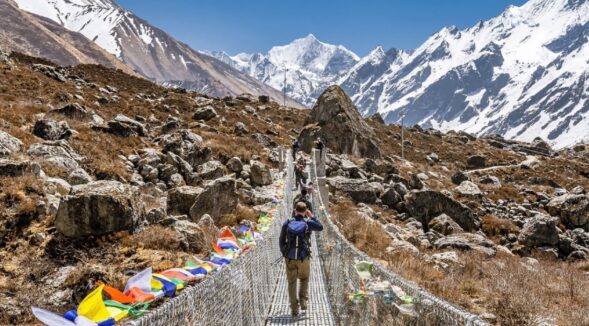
point(391, 198)
point(99, 208)
point(240, 129)
point(467, 241)
point(467, 188)
point(445, 225)
point(428, 204)
point(79, 176)
point(124, 126)
point(49, 129)
point(489, 179)
point(57, 152)
point(217, 199)
point(460, 177)
point(73, 111)
point(180, 199)
point(572, 209)
point(9, 144)
point(380, 167)
point(476, 162)
point(235, 165)
point(539, 231)
point(14, 168)
point(176, 180)
point(187, 145)
point(205, 114)
point(211, 170)
point(57, 186)
point(360, 191)
point(260, 174)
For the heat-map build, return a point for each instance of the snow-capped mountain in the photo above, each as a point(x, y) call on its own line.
point(522, 74)
point(147, 49)
point(310, 66)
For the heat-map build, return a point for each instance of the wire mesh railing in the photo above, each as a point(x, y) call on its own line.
point(239, 294)
point(380, 307)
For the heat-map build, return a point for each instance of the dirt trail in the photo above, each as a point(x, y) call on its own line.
point(529, 162)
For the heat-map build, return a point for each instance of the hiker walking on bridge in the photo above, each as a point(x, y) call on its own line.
point(303, 197)
point(295, 245)
point(295, 148)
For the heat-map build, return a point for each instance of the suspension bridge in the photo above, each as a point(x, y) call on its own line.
point(253, 290)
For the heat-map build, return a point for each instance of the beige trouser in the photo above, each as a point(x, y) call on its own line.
point(298, 269)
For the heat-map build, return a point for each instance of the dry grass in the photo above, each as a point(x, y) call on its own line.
point(241, 213)
point(20, 194)
point(154, 237)
point(494, 226)
point(518, 293)
point(368, 235)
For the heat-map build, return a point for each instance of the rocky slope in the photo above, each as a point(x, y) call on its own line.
point(146, 49)
point(38, 36)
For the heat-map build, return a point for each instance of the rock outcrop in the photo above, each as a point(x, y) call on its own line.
point(427, 204)
point(572, 209)
point(336, 120)
point(9, 144)
point(260, 174)
point(217, 199)
point(98, 208)
point(50, 129)
point(361, 191)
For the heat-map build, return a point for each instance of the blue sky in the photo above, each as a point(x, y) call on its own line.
point(256, 25)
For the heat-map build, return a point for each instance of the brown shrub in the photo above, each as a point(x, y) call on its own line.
point(494, 226)
point(241, 213)
point(154, 237)
point(20, 194)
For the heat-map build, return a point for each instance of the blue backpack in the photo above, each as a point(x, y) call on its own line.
point(298, 240)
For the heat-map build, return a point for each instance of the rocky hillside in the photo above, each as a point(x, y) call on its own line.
point(458, 207)
point(103, 173)
point(38, 36)
point(146, 49)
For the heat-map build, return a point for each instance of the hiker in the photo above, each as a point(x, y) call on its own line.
point(319, 145)
point(300, 178)
point(304, 197)
point(295, 148)
point(295, 245)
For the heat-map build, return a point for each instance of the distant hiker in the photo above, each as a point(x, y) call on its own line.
point(295, 148)
point(295, 245)
point(300, 176)
point(319, 145)
point(305, 198)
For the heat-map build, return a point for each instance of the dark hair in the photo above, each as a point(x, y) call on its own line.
point(304, 191)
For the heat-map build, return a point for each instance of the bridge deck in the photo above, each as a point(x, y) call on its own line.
point(319, 310)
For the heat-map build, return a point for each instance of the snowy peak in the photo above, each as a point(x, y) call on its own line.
point(312, 55)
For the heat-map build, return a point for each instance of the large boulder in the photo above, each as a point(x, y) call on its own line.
point(235, 165)
point(539, 231)
point(380, 167)
point(73, 111)
point(187, 145)
point(260, 174)
point(217, 199)
point(476, 162)
point(573, 210)
point(180, 199)
point(211, 170)
point(336, 120)
point(9, 144)
point(58, 153)
point(445, 225)
point(206, 113)
point(124, 126)
point(467, 241)
point(427, 204)
point(469, 188)
point(15, 168)
point(361, 191)
point(50, 129)
point(391, 198)
point(98, 208)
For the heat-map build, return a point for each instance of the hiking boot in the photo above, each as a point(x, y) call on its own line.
point(303, 306)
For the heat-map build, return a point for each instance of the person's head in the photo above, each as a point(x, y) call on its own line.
point(304, 191)
point(301, 208)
